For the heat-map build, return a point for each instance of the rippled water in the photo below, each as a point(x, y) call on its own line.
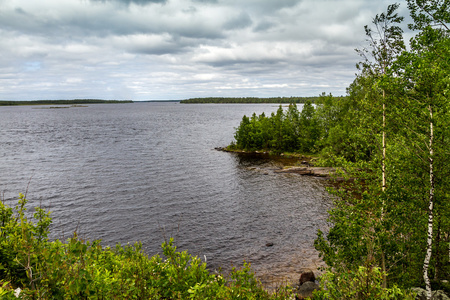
point(149, 171)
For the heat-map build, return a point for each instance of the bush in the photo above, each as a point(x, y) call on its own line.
point(364, 283)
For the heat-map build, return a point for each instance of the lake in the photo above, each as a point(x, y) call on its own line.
point(148, 171)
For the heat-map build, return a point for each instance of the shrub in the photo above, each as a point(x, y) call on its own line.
point(363, 283)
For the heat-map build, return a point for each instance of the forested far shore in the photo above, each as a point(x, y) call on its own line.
point(225, 100)
point(60, 102)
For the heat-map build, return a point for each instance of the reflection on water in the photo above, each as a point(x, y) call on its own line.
point(148, 171)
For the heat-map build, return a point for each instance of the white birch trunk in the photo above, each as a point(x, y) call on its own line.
point(383, 183)
point(383, 163)
point(426, 262)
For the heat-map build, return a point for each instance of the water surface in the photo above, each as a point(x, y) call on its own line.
point(149, 171)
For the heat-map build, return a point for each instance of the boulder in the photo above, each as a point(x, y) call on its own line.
point(306, 290)
point(307, 276)
point(435, 295)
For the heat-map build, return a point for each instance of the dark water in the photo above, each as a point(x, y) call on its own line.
point(149, 171)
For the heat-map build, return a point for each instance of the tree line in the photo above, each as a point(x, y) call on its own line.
point(312, 129)
point(60, 102)
point(249, 100)
point(392, 133)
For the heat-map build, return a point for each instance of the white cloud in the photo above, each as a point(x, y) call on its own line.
point(176, 49)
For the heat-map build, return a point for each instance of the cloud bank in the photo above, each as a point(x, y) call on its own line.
point(177, 49)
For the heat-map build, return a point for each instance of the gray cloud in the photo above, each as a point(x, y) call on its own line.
point(173, 49)
point(206, 1)
point(128, 2)
point(264, 25)
point(240, 21)
point(266, 6)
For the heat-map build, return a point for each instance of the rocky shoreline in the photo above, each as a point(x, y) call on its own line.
point(306, 167)
point(309, 171)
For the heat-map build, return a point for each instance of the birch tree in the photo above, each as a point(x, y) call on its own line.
point(385, 43)
point(430, 60)
point(426, 78)
point(415, 103)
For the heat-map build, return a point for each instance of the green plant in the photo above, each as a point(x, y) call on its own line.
point(362, 283)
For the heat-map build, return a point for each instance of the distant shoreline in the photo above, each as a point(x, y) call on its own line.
point(229, 100)
point(61, 102)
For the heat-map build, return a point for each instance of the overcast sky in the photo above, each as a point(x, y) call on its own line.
point(179, 49)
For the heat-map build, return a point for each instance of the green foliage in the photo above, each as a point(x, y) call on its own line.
point(6, 292)
point(364, 283)
point(21, 240)
point(429, 13)
point(385, 42)
point(372, 228)
point(283, 131)
point(346, 126)
point(390, 136)
point(333, 126)
point(80, 269)
point(400, 227)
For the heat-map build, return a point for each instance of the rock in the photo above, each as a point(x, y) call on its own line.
point(270, 244)
point(307, 276)
point(435, 295)
point(311, 171)
point(306, 290)
point(439, 295)
point(420, 293)
point(17, 292)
